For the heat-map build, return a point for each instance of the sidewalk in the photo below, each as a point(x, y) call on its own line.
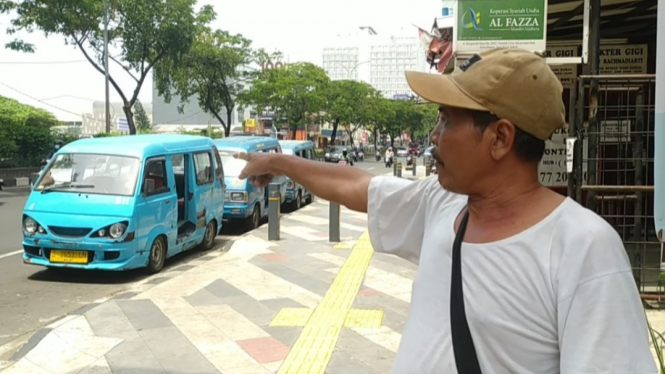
point(298, 305)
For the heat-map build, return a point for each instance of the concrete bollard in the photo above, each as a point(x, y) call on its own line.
point(274, 202)
point(399, 169)
point(395, 169)
point(428, 169)
point(335, 215)
point(414, 167)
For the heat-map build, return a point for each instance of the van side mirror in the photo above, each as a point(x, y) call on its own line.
point(149, 186)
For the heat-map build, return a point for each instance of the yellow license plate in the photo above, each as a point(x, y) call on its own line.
point(70, 257)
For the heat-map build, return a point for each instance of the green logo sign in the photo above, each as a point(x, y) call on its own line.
point(501, 20)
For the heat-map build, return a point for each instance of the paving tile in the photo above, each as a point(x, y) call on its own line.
point(144, 314)
point(221, 288)
point(140, 363)
point(158, 280)
point(362, 349)
point(109, 320)
point(286, 335)
point(203, 297)
point(175, 352)
point(277, 304)
point(253, 309)
point(343, 363)
point(274, 257)
point(314, 285)
point(265, 350)
point(368, 292)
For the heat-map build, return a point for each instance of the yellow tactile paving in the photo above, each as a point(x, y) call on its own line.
point(366, 318)
point(291, 317)
point(311, 352)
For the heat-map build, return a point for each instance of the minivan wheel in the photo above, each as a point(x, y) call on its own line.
point(297, 202)
point(157, 255)
point(255, 218)
point(209, 236)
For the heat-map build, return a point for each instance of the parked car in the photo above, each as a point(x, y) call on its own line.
point(333, 154)
point(402, 152)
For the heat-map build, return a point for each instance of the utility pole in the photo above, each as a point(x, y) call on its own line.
point(107, 103)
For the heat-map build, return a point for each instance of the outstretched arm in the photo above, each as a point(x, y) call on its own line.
point(345, 185)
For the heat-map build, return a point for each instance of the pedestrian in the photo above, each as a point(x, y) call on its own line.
point(545, 284)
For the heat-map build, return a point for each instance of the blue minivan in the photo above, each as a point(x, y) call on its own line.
point(245, 202)
point(296, 194)
point(124, 202)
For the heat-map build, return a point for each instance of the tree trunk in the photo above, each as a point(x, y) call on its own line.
point(227, 128)
point(127, 109)
point(376, 135)
point(334, 133)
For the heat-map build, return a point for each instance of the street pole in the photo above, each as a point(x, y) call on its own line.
point(107, 103)
point(659, 149)
point(210, 125)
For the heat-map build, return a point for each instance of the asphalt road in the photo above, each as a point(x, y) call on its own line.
point(31, 296)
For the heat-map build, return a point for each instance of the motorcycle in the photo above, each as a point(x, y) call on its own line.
point(409, 160)
point(378, 156)
point(389, 161)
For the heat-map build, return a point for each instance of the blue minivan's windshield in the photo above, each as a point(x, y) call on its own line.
point(232, 166)
point(91, 173)
point(287, 151)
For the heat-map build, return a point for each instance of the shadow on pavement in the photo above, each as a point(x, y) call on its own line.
point(64, 275)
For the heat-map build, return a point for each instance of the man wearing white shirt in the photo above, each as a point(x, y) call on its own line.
point(547, 284)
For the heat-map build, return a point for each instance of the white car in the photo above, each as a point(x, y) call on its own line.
point(402, 152)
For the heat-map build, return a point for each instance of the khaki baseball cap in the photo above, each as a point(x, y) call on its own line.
point(514, 84)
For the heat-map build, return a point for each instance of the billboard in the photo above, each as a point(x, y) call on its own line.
point(487, 24)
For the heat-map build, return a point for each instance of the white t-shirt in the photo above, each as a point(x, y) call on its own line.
point(557, 298)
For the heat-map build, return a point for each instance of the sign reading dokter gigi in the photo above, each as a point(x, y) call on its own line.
point(487, 24)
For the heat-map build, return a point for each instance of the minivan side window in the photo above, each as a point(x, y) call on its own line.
point(155, 171)
point(218, 160)
point(203, 167)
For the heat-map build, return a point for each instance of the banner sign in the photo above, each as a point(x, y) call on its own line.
point(487, 24)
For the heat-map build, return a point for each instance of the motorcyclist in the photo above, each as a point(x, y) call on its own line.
point(346, 156)
point(56, 147)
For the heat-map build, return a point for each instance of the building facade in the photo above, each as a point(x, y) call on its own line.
point(379, 60)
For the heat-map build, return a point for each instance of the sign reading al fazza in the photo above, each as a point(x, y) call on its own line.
point(487, 24)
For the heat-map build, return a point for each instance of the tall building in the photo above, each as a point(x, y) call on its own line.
point(380, 60)
point(389, 62)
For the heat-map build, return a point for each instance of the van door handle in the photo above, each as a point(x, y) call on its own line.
point(167, 201)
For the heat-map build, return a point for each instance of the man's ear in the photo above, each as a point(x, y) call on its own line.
point(502, 134)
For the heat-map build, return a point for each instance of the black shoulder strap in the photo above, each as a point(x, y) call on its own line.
point(465, 351)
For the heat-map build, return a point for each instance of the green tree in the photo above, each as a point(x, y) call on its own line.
point(145, 32)
point(295, 92)
point(25, 134)
point(214, 71)
point(348, 103)
point(142, 121)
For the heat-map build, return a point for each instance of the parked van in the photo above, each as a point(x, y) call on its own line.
point(124, 202)
point(296, 194)
point(245, 202)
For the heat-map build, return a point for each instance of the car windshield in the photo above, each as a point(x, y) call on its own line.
point(91, 173)
point(287, 151)
point(232, 166)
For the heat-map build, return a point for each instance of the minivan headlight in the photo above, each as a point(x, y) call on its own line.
point(30, 225)
point(238, 197)
point(117, 230)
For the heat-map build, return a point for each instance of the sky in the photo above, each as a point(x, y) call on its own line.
point(57, 78)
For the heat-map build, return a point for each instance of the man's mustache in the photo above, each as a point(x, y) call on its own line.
point(435, 156)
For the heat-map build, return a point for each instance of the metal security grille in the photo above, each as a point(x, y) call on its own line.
point(613, 163)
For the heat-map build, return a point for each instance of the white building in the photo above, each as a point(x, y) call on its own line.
point(377, 59)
